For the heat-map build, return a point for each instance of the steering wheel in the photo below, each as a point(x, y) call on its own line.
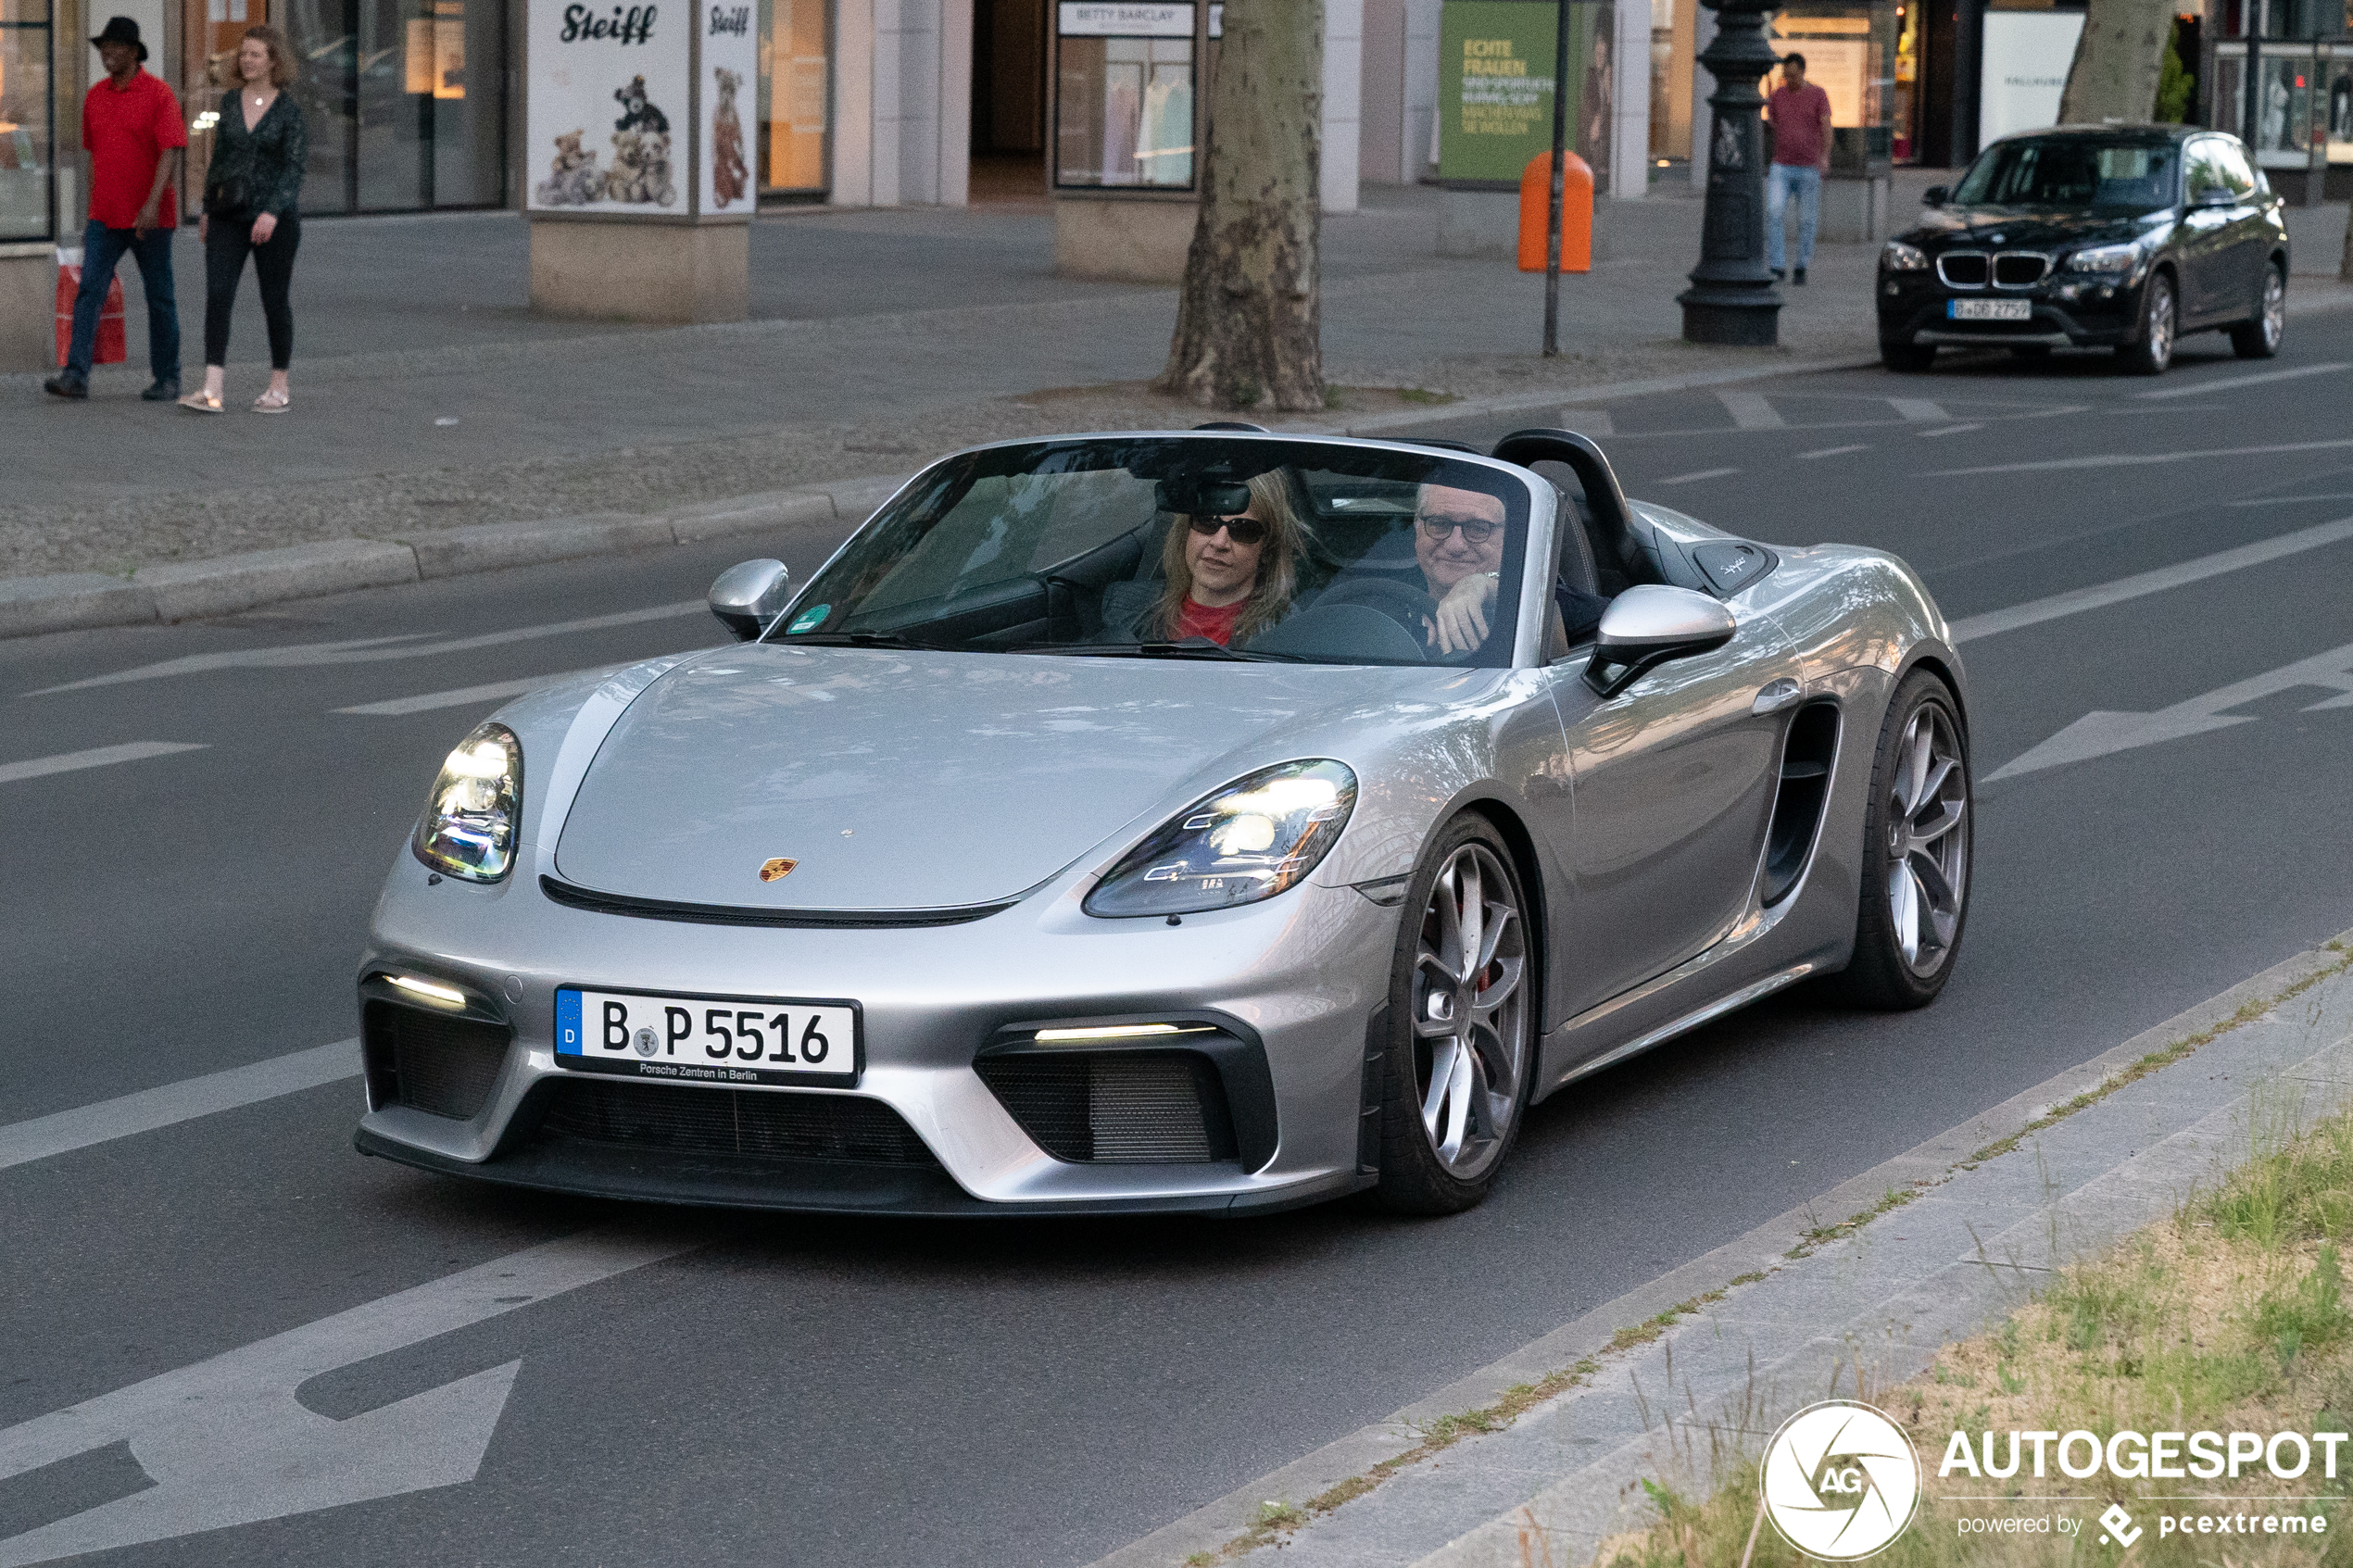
point(1408, 606)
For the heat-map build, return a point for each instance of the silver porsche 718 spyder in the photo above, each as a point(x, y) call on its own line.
point(1205, 820)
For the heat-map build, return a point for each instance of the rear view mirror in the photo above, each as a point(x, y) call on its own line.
point(1647, 625)
point(750, 595)
point(1935, 196)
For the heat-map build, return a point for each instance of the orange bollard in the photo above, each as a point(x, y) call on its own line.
point(1577, 213)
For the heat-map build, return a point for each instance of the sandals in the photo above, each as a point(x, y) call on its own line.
point(202, 401)
point(273, 402)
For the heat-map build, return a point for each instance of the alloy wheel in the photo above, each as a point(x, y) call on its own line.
point(2160, 323)
point(1470, 1012)
point(2273, 322)
point(1927, 840)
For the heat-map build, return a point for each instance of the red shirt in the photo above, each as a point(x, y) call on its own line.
point(126, 134)
point(1201, 621)
point(1801, 125)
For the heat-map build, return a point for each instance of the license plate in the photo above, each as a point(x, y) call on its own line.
point(1989, 309)
point(710, 1039)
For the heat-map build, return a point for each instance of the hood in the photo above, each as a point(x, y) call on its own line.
point(912, 780)
point(2025, 229)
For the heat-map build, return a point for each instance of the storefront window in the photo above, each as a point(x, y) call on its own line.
point(405, 100)
point(1124, 95)
point(796, 76)
point(1851, 55)
point(2336, 71)
point(26, 118)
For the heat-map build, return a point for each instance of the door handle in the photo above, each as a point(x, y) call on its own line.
point(1774, 695)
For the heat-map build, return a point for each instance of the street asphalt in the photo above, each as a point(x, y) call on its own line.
point(792, 1390)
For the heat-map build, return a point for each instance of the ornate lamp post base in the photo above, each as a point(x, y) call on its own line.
point(1732, 299)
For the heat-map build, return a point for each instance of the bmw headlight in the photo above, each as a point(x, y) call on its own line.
point(1897, 257)
point(2105, 258)
point(1249, 840)
point(469, 821)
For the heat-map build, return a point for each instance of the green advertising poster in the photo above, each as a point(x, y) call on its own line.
point(1496, 86)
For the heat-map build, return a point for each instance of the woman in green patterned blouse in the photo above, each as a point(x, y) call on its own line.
point(251, 187)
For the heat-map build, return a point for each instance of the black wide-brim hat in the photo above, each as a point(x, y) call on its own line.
point(122, 30)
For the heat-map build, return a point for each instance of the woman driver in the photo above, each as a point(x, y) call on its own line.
point(1227, 578)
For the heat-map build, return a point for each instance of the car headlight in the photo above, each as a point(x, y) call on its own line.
point(468, 827)
point(1249, 840)
point(1897, 257)
point(2105, 258)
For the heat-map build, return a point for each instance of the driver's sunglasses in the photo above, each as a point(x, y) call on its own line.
point(1241, 529)
point(1476, 531)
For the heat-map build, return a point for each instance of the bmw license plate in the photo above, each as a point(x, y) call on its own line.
point(710, 1039)
point(1989, 309)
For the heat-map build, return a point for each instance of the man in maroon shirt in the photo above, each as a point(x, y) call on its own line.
point(1801, 116)
point(131, 126)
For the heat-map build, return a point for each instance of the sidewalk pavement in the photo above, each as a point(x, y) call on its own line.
point(1969, 1238)
point(428, 400)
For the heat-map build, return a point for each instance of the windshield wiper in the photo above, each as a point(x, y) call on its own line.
point(866, 640)
point(1191, 648)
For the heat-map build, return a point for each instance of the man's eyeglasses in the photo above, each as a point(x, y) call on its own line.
point(1476, 531)
point(1242, 530)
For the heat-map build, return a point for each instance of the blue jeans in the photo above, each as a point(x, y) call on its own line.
point(1806, 184)
point(101, 250)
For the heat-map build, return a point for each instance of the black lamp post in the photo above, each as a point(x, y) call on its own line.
point(1732, 299)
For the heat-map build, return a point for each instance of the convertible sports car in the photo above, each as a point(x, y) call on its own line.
point(1207, 821)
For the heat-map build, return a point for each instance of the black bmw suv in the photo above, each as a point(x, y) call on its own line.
point(2122, 236)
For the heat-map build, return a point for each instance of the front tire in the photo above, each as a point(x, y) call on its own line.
point(2258, 338)
point(1460, 1054)
point(1906, 358)
point(1917, 852)
point(2160, 323)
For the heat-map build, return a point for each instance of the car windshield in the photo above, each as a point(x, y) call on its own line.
point(1205, 546)
point(2073, 173)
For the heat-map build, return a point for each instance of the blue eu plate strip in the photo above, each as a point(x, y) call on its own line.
point(568, 1024)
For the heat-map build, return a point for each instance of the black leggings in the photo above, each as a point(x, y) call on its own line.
point(227, 240)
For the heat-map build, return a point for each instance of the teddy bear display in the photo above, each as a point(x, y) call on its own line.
point(637, 113)
point(573, 179)
point(729, 176)
point(640, 172)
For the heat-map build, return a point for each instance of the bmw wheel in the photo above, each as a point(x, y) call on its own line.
point(2159, 321)
point(1916, 852)
point(2259, 338)
point(1458, 1061)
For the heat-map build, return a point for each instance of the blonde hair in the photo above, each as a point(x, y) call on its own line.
point(1269, 599)
point(282, 68)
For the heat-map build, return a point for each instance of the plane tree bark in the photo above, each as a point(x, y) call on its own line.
point(1249, 328)
point(2119, 60)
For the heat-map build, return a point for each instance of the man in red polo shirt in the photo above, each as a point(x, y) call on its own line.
point(132, 128)
point(1801, 116)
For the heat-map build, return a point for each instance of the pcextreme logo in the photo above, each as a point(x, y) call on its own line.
point(1841, 1480)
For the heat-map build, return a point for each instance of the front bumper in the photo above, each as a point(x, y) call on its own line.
point(1290, 983)
point(2087, 312)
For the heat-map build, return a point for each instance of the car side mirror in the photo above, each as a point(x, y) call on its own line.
point(1935, 196)
point(1647, 625)
point(749, 595)
point(2217, 196)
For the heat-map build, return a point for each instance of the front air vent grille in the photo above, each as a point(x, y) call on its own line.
point(1147, 1108)
point(440, 1065)
point(2019, 269)
point(1962, 268)
point(772, 1123)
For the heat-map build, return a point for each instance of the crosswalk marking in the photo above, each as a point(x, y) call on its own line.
point(462, 697)
point(2196, 388)
point(1751, 410)
point(1918, 411)
point(1588, 422)
point(100, 757)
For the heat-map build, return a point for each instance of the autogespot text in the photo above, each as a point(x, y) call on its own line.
point(2153, 1456)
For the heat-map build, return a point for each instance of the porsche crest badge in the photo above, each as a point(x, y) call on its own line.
point(774, 870)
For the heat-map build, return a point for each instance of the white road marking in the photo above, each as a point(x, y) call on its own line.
point(227, 1443)
point(2102, 594)
point(2099, 733)
point(100, 757)
point(1588, 422)
point(64, 1131)
point(1949, 430)
point(1833, 452)
point(464, 696)
point(1918, 411)
point(1704, 473)
point(1751, 410)
point(2134, 460)
point(2290, 500)
point(2199, 389)
point(372, 650)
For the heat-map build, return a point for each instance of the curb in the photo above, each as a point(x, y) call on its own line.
point(189, 590)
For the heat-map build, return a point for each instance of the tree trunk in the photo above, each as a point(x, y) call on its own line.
point(2344, 266)
point(1248, 331)
point(2117, 61)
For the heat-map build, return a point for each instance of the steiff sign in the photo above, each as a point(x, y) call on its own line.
point(608, 113)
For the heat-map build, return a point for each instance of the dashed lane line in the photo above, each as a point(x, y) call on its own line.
point(2136, 459)
point(1694, 477)
point(1949, 430)
point(2291, 500)
point(466, 696)
point(100, 757)
point(2199, 388)
point(1833, 452)
point(167, 1104)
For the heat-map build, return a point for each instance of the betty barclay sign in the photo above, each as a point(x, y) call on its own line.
point(641, 109)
